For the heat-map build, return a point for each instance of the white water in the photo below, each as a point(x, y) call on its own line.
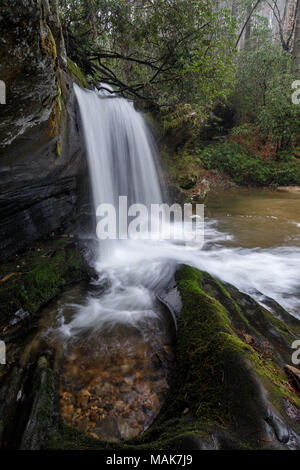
point(120, 153)
point(121, 160)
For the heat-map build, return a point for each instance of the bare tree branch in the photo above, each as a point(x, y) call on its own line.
point(246, 22)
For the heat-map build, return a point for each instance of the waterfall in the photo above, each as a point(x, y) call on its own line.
point(120, 150)
point(122, 162)
point(121, 158)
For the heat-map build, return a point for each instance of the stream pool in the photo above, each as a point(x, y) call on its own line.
point(113, 341)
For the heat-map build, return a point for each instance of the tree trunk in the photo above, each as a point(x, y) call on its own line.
point(247, 24)
point(296, 49)
point(234, 9)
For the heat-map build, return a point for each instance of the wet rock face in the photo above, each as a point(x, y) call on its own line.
point(41, 154)
point(231, 353)
point(27, 70)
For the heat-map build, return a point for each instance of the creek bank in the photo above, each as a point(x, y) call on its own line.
point(201, 154)
point(230, 389)
point(289, 189)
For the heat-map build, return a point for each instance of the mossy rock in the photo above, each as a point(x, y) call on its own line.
point(230, 390)
point(188, 181)
point(76, 74)
point(34, 277)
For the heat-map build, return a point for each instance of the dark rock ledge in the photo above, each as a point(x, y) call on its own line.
point(230, 388)
point(42, 160)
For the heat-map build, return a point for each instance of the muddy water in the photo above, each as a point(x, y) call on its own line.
point(114, 377)
point(257, 218)
point(253, 242)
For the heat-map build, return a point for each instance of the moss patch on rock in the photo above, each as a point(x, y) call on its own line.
point(32, 278)
point(230, 390)
point(76, 74)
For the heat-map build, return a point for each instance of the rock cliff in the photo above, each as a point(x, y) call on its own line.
point(41, 154)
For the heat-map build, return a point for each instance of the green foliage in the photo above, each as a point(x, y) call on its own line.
point(166, 51)
point(263, 90)
point(245, 168)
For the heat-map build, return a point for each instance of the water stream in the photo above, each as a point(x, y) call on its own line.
point(116, 337)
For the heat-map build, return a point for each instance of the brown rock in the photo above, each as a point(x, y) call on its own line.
point(67, 397)
point(83, 398)
point(294, 375)
point(126, 430)
point(119, 406)
point(143, 388)
point(152, 403)
point(125, 368)
point(128, 380)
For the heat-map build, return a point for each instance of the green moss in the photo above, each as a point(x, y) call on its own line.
point(280, 327)
point(277, 386)
point(58, 149)
point(219, 380)
point(46, 399)
point(219, 374)
point(76, 74)
point(52, 42)
point(38, 275)
point(215, 283)
point(48, 43)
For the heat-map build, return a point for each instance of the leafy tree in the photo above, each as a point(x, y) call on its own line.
point(296, 50)
point(262, 93)
point(163, 51)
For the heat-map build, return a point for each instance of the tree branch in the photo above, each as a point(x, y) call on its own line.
point(247, 21)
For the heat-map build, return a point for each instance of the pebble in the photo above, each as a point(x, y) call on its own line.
point(112, 391)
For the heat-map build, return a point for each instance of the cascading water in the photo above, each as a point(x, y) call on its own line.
point(119, 353)
point(118, 342)
point(121, 159)
point(120, 150)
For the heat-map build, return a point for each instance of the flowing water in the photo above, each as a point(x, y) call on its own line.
point(118, 340)
point(256, 243)
point(116, 337)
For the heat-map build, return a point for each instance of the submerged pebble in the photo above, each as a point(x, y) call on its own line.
point(112, 388)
